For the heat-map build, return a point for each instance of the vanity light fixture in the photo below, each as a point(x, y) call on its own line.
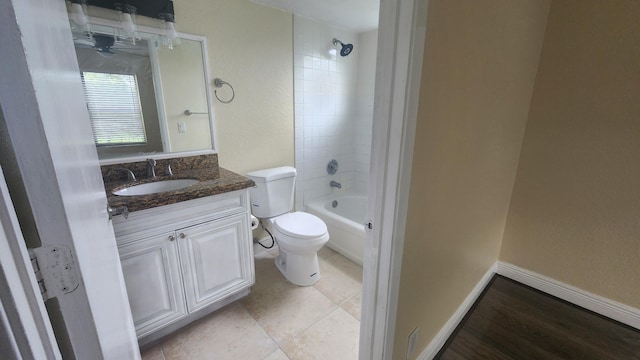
point(81, 23)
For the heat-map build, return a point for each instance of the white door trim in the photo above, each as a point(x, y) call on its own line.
point(401, 36)
point(47, 126)
point(25, 331)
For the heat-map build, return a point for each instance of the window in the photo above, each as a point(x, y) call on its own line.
point(114, 108)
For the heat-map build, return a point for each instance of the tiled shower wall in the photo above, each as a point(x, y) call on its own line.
point(333, 108)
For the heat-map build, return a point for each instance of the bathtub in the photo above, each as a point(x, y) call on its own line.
point(345, 222)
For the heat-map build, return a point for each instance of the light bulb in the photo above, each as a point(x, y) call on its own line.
point(170, 31)
point(77, 14)
point(127, 23)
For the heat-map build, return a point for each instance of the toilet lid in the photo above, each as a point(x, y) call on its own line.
point(300, 225)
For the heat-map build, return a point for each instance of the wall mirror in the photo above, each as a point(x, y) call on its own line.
point(146, 99)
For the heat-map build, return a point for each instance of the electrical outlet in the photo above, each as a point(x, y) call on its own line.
point(182, 127)
point(411, 345)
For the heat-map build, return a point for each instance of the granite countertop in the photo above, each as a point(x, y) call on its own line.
point(213, 181)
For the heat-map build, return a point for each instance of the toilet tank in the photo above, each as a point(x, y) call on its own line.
point(274, 190)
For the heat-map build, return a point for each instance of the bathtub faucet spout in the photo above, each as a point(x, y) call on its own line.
point(335, 184)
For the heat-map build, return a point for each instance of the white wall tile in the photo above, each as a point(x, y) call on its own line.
point(308, 61)
point(333, 110)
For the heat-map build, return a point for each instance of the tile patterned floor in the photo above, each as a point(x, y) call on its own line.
point(279, 320)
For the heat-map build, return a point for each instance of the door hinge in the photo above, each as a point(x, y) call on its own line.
point(118, 210)
point(55, 270)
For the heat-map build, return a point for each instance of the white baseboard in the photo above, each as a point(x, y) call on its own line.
point(598, 304)
point(438, 341)
point(612, 309)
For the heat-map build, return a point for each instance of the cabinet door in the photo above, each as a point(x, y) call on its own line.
point(217, 259)
point(152, 275)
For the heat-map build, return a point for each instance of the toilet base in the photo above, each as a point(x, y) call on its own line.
point(301, 270)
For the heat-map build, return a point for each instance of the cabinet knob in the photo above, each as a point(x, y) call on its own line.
point(182, 236)
point(172, 238)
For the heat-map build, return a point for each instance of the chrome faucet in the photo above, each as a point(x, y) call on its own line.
point(151, 169)
point(335, 184)
point(130, 175)
point(168, 170)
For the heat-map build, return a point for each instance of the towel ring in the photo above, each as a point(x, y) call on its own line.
point(217, 82)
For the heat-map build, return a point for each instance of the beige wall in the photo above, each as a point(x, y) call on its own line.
point(251, 47)
point(479, 69)
point(575, 208)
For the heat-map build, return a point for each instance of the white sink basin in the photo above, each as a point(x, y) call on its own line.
point(155, 187)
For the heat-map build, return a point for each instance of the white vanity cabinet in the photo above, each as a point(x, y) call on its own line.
point(214, 258)
point(153, 277)
point(185, 260)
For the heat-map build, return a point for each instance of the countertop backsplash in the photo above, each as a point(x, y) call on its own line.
point(178, 165)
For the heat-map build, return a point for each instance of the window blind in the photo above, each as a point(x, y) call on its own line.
point(114, 108)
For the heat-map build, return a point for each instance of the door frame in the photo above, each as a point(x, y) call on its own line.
point(401, 36)
point(49, 135)
point(25, 330)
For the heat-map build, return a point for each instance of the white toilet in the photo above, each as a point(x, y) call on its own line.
point(299, 235)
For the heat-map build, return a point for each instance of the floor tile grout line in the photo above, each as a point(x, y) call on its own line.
point(302, 330)
point(263, 329)
point(274, 351)
point(344, 301)
point(310, 325)
point(335, 307)
point(349, 298)
point(350, 314)
point(320, 319)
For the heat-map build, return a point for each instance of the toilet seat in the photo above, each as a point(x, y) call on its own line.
point(300, 225)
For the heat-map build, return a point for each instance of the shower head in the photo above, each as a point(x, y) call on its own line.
point(346, 48)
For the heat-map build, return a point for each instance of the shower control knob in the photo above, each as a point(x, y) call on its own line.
point(332, 167)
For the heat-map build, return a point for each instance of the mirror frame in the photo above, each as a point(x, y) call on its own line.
point(100, 22)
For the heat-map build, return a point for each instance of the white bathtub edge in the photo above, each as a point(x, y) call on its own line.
point(345, 236)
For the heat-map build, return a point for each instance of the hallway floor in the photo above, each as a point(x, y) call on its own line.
point(511, 321)
point(279, 320)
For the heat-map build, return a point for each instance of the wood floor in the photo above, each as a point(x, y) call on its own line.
point(513, 321)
